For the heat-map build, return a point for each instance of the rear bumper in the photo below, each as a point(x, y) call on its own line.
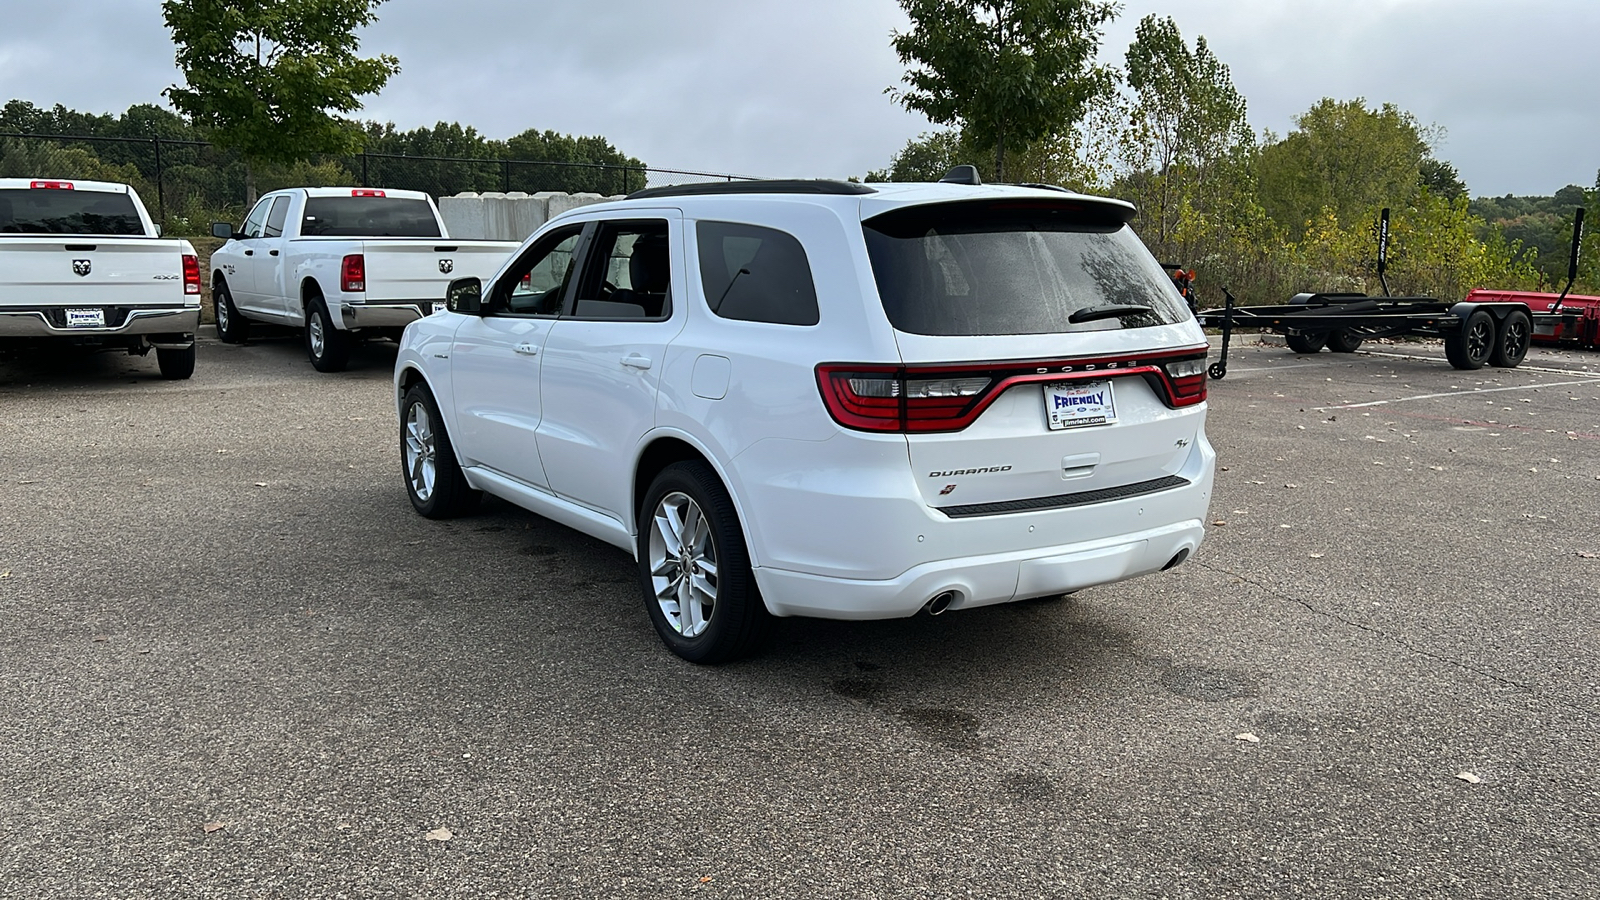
point(983, 580)
point(397, 314)
point(39, 322)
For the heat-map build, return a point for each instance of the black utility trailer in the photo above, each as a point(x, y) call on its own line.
point(1488, 327)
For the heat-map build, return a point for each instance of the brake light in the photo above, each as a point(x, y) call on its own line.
point(51, 185)
point(353, 274)
point(365, 192)
point(928, 399)
point(191, 274)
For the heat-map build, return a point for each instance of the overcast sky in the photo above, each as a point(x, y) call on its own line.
point(796, 88)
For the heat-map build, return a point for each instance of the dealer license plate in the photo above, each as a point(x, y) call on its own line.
point(1076, 404)
point(438, 307)
point(86, 318)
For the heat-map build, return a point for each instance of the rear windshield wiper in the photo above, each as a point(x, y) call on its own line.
point(1107, 311)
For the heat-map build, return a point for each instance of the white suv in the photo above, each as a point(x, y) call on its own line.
point(825, 399)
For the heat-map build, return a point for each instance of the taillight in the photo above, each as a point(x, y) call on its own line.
point(1187, 378)
point(191, 274)
point(51, 185)
point(353, 274)
point(365, 192)
point(925, 399)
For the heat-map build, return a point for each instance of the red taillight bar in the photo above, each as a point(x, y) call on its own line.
point(353, 274)
point(51, 185)
point(1178, 377)
point(191, 274)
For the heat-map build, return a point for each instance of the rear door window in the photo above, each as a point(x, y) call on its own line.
point(1016, 267)
point(58, 211)
point(755, 274)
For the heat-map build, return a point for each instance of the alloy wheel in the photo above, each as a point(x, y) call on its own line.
point(683, 564)
point(421, 451)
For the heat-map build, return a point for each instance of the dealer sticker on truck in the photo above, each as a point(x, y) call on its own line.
point(1074, 404)
point(86, 318)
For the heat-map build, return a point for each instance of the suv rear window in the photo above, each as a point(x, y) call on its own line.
point(46, 211)
point(1015, 267)
point(368, 217)
point(756, 274)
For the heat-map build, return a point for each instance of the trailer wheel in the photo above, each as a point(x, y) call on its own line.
point(1511, 345)
point(1344, 340)
point(1471, 347)
point(1306, 341)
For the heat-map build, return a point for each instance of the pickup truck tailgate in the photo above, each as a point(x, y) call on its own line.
point(111, 271)
point(422, 269)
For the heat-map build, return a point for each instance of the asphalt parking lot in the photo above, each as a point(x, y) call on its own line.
point(234, 663)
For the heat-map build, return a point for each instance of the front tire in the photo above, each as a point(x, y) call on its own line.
point(328, 347)
point(175, 364)
point(434, 481)
point(1511, 343)
point(1470, 347)
point(1306, 341)
point(694, 568)
point(232, 328)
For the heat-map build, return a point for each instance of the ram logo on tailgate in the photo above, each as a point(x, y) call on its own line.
point(446, 266)
point(81, 266)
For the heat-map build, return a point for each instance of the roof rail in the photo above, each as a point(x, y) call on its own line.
point(773, 186)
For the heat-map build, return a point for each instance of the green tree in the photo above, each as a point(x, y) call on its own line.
point(1341, 157)
point(1187, 123)
point(268, 77)
point(1005, 72)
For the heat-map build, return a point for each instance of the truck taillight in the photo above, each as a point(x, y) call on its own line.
point(1187, 378)
point(191, 274)
point(353, 274)
point(366, 192)
point(51, 185)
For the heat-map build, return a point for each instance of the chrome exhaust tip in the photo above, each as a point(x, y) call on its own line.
point(940, 602)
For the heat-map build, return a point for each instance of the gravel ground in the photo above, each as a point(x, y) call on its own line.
point(234, 663)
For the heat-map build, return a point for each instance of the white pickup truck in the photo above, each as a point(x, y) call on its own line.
point(81, 263)
point(341, 263)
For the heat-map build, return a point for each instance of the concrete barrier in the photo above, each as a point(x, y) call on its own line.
point(495, 216)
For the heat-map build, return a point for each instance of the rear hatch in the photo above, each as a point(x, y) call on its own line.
point(67, 247)
point(1048, 359)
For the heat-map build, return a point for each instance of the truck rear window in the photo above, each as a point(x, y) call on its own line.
point(43, 211)
point(368, 217)
point(1016, 267)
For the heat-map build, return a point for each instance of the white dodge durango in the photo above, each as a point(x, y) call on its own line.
point(826, 399)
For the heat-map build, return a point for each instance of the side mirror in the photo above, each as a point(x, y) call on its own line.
point(465, 295)
point(223, 230)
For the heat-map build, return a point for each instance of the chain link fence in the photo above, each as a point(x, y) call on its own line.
point(189, 184)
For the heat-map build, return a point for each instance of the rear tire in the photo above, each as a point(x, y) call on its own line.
point(1344, 340)
point(175, 364)
point(434, 481)
point(1469, 348)
point(694, 568)
point(1511, 344)
point(328, 347)
point(232, 328)
point(1306, 341)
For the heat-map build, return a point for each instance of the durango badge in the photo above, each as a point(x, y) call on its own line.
point(446, 266)
point(81, 266)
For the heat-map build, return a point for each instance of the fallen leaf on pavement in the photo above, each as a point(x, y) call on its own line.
point(214, 826)
point(1469, 778)
point(1316, 556)
point(261, 484)
point(1220, 522)
point(1583, 553)
point(440, 834)
point(1247, 737)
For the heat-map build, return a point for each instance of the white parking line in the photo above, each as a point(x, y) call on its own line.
point(1522, 387)
point(1233, 371)
point(1524, 368)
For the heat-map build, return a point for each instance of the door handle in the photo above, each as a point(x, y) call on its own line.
point(272, 252)
point(635, 361)
point(526, 349)
point(249, 253)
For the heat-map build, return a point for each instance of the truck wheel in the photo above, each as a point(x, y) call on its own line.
point(232, 328)
point(434, 482)
point(175, 364)
point(1306, 341)
point(1511, 344)
point(1469, 348)
point(694, 568)
point(1344, 340)
point(328, 347)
